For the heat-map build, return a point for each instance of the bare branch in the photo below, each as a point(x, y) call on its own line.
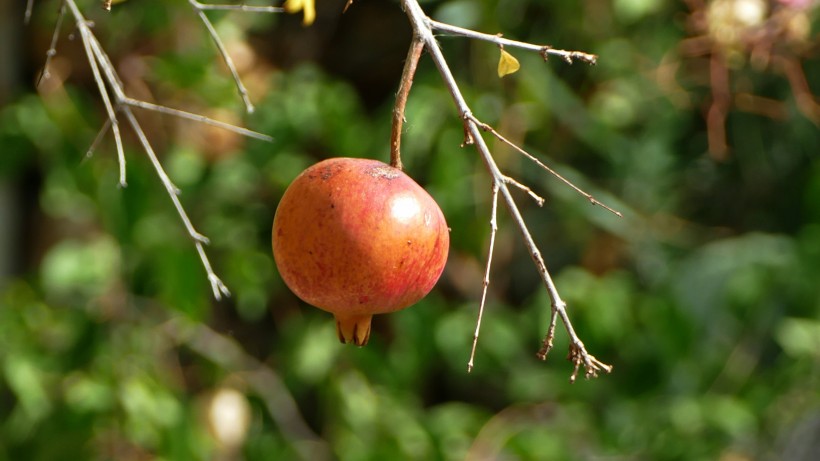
point(486, 282)
point(196, 117)
point(547, 345)
point(410, 64)
point(112, 117)
point(538, 162)
point(579, 356)
point(538, 199)
point(243, 92)
point(52, 48)
point(217, 286)
point(544, 50)
point(29, 9)
point(423, 28)
point(219, 289)
point(172, 190)
point(116, 102)
point(243, 8)
point(98, 139)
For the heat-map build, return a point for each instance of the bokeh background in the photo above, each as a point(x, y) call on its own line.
point(699, 123)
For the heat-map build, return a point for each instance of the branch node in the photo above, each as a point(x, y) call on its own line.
point(580, 357)
point(538, 199)
point(201, 238)
point(218, 287)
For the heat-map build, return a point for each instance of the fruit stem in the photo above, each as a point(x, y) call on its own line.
point(353, 329)
point(410, 64)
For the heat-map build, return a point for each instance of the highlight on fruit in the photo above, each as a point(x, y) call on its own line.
point(358, 237)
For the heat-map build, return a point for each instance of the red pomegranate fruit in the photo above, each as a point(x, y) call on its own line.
point(357, 237)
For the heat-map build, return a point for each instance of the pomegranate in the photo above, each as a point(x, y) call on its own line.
point(357, 237)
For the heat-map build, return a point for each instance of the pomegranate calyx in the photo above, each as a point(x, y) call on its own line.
point(353, 329)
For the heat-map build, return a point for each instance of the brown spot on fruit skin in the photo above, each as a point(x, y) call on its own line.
point(340, 244)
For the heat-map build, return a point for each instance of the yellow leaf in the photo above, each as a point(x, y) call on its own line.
point(106, 4)
point(308, 8)
point(507, 64)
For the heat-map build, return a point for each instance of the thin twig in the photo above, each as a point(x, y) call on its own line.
point(243, 92)
point(98, 139)
point(217, 286)
point(547, 345)
point(52, 48)
point(116, 102)
point(243, 8)
point(538, 199)
point(125, 100)
point(422, 26)
point(486, 281)
point(410, 64)
point(85, 33)
point(196, 117)
point(544, 50)
point(538, 162)
point(27, 14)
point(173, 191)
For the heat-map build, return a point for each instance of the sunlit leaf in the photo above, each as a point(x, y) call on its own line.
point(507, 64)
point(308, 7)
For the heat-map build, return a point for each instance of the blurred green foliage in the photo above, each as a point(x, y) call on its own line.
point(705, 296)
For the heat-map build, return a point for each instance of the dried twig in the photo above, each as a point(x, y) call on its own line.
point(544, 50)
point(29, 9)
point(116, 102)
point(52, 48)
point(423, 28)
point(243, 8)
point(196, 118)
point(486, 281)
point(200, 8)
point(538, 199)
point(85, 33)
point(538, 162)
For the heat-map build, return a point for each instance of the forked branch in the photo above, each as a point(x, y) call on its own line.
point(116, 103)
point(423, 28)
point(534, 159)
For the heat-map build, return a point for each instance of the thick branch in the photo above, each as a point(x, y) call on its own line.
point(413, 55)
